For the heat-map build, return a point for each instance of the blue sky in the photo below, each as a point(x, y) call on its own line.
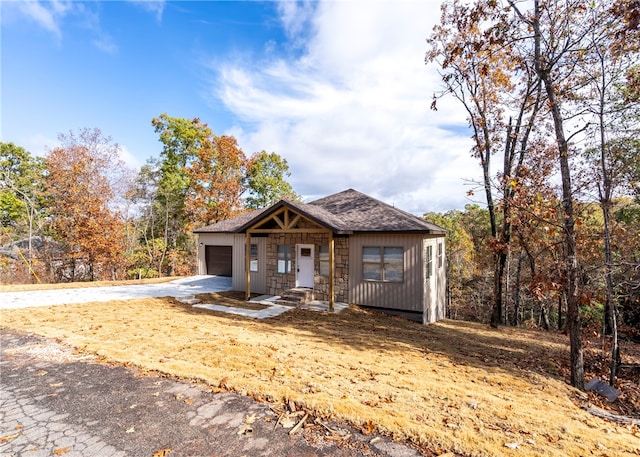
point(338, 88)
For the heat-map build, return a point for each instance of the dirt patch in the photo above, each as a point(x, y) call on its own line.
point(451, 386)
point(231, 298)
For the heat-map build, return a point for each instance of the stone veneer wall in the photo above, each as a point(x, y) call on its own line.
point(278, 282)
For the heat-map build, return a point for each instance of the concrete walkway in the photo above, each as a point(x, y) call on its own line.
point(273, 309)
point(183, 287)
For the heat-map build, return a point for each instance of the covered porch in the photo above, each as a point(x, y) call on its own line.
point(301, 253)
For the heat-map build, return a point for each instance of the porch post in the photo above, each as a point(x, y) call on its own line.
point(247, 266)
point(332, 272)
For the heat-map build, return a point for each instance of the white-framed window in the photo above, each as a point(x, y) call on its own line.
point(323, 256)
point(284, 258)
point(428, 254)
point(253, 261)
point(440, 255)
point(383, 264)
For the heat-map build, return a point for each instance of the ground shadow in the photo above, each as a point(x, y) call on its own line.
point(517, 351)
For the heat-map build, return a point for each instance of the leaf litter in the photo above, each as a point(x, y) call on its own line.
point(381, 374)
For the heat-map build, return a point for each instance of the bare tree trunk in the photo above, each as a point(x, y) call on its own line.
point(516, 293)
point(560, 311)
point(545, 66)
point(544, 316)
point(571, 261)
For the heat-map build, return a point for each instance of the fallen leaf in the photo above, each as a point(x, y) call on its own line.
point(131, 430)
point(62, 450)
point(42, 373)
point(7, 438)
point(287, 422)
point(188, 401)
point(512, 445)
point(57, 384)
point(245, 430)
point(368, 427)
point(162, 452)
point(250, 419)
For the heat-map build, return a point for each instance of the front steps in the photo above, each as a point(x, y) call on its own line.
point(296, 297)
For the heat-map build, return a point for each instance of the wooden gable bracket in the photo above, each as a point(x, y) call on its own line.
point(288, 224)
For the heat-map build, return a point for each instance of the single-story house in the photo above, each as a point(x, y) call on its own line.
point(347, 247)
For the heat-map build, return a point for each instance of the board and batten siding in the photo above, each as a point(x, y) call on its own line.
point(435, 283)
point(237, 241)
point(407, 295)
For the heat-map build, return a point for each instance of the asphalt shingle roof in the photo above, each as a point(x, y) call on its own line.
point(345, 212)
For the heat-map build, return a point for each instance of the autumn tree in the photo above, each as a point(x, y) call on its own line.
point(82, 176)
point(559, 32)
point(603, 72)
point(478, 65)
point(216, 176)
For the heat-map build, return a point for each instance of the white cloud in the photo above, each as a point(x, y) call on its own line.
point(106, 44)
point(153, 6)
point(48, 15)
point(353, 109)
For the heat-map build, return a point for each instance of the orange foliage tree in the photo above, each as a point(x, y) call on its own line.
point(82, 175)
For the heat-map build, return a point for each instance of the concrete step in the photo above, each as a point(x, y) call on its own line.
point(290, 303)
point(296, 297)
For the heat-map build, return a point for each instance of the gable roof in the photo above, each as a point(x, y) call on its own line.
point(346, 212)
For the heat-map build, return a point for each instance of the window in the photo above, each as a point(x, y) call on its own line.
point(439, 255)
point(284, 258)
point(253, 262)
point(383, 264)
point(428, 254)
point(324, 261)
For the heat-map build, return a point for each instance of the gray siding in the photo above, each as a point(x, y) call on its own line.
point(237, 241)
point(435, 284)
point(407, 295)
point(441, 293)
point(210, 239)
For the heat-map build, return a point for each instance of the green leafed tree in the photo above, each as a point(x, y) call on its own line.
point(21, 185)
point(267, 183)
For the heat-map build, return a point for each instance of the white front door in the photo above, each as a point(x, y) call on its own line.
point(304, 265)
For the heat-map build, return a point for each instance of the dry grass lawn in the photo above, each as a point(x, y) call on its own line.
point(451, 386)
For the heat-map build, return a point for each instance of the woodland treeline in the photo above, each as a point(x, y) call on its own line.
point(551, 89)
point(80, 214)
point(552, 94)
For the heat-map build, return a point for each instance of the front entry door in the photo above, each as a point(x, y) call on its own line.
point(304, 265)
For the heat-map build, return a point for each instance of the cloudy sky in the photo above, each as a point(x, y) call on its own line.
point(338, 88)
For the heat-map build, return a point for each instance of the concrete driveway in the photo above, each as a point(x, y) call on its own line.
point(179, 288)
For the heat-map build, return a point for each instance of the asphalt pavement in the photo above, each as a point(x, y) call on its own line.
point(54, 402)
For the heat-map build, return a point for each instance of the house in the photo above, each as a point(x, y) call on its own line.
point(347, 247)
